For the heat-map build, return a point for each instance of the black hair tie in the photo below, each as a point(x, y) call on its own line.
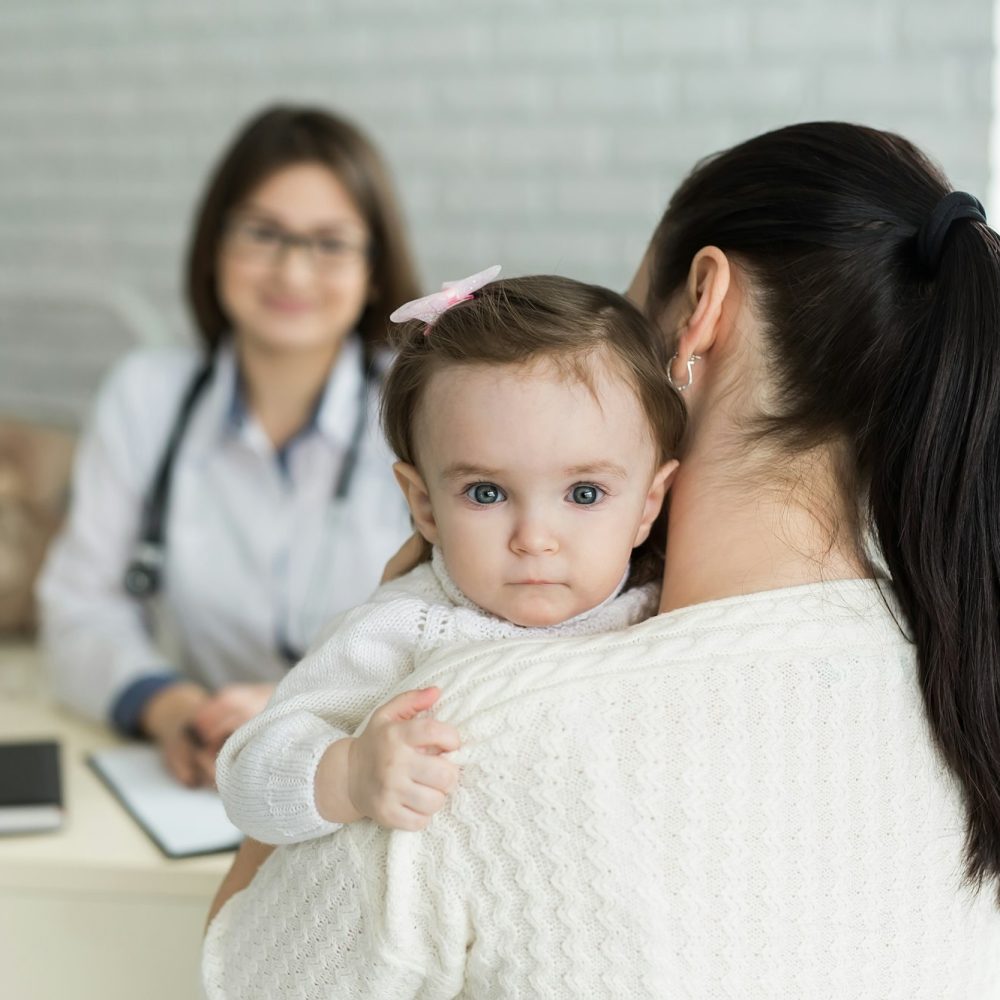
point(931, 235)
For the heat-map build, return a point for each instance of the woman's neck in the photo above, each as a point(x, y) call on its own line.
point(732, 531)
point(282, 387)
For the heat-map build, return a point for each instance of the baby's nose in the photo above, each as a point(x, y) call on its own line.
point(533, 536)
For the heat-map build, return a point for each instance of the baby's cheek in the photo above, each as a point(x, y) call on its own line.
point(462, 566)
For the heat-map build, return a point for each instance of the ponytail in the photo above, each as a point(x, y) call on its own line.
point(935, 503)
point(879, 295)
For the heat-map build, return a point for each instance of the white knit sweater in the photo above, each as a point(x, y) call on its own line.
point(739, 799)
point(267, 768)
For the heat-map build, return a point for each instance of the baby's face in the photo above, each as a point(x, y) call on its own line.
point(535, 488)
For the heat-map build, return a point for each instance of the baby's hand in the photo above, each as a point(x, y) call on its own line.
point(396, 775)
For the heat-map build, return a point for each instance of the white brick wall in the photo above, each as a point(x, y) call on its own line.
point(544, 135)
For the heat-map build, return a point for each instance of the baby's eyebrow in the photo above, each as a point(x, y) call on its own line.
point(462, 470)
point(599, 469)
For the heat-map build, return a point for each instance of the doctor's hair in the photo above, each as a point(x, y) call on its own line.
point(890, 353)
point(517, 322)
point(285, 136)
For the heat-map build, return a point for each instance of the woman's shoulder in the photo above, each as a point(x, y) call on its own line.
point(852, 624)
point(820, 617)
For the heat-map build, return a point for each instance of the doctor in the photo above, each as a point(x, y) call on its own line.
point(228, 500)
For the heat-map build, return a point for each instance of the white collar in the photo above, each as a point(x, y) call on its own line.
point(338, 407)
point(334, 418)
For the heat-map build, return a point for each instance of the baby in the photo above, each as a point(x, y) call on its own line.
point(535, 431)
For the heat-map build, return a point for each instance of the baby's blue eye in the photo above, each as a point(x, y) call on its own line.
point(485, 493)
point(586, 494)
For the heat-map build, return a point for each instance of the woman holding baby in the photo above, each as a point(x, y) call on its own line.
point(787, 782)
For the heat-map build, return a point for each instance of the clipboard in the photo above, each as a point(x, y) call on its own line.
point(182, 822)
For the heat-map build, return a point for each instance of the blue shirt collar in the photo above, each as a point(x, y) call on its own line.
point(334, 412)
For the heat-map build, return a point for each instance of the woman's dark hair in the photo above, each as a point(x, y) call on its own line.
point(869, 347)
point(518, 321)
point(281, 137)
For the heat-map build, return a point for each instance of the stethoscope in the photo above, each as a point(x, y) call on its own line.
point(144, 573)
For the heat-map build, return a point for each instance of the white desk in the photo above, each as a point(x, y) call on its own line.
point(93, 911)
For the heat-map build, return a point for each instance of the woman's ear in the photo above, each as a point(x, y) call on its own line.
point(417, 498)
point(707, 286)
point(654, 499)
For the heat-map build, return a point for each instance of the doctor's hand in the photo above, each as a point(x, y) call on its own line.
point(217, 718)
point(166, 719)
point(395, 772)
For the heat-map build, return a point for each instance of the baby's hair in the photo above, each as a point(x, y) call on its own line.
point(519, 321)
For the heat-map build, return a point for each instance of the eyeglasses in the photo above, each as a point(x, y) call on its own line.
point(265, 243)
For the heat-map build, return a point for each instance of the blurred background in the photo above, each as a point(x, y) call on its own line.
point(541, 134)
point(545, 136)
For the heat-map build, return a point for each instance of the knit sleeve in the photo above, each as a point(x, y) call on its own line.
point(266, 769)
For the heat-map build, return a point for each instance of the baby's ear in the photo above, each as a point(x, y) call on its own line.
point(654, 499)
point(419, 500)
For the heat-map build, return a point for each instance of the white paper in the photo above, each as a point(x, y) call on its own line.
point(181, 820)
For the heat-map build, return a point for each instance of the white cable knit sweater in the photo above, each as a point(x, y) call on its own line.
point(267, 768)
point(739, 799)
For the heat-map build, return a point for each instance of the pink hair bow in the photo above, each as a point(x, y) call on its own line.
point(430, 307)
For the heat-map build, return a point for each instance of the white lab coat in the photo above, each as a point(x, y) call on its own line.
point(253, 553)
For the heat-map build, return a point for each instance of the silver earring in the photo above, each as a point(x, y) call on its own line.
point(690, 367)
